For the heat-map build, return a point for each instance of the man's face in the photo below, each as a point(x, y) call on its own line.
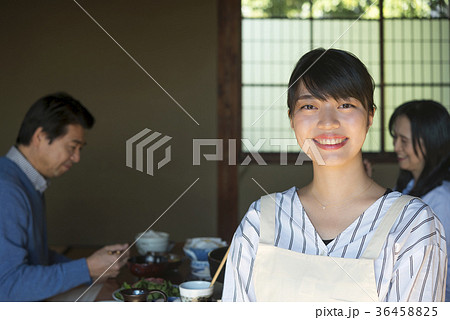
point(57, 157)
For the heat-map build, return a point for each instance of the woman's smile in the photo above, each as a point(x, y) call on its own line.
point(337, 127)
point(330, 142)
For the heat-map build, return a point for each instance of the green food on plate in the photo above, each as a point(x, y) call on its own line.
point(166, 286)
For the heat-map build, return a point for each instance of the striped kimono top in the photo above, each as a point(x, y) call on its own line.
point(411, 266)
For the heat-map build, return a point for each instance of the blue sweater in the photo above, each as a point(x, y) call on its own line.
point(29, 271)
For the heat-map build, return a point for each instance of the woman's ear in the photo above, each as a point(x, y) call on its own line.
point(290, 119)
point(370, 119)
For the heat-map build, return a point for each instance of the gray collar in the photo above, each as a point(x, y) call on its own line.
point(38, 181)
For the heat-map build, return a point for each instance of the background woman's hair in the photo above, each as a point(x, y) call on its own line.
point(332, 73)
point(53, 113)
point(430, 132)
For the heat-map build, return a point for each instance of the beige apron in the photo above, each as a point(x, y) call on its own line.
point(286, 275)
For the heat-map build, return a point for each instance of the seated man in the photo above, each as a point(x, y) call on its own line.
point(49, 143)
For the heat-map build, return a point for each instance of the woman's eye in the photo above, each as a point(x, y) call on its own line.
point(347, 106)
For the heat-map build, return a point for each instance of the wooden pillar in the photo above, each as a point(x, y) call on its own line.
point(229, 112)
point(382, 82)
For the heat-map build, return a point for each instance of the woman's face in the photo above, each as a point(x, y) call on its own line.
point(403, 147)
point(337, 128)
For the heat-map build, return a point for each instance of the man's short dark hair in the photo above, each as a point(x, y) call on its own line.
point(53, 113)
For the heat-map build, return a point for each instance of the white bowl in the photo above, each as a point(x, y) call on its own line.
point(150, 234)
point(157, 242)
point(196, 291)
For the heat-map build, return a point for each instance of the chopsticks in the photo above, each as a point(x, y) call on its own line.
point(110, 252)
point(219, 268)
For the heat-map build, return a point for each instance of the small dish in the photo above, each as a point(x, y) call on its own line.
point(154, 264)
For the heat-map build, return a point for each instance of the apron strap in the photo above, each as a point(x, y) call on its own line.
point(373, 249)
point(267, 219)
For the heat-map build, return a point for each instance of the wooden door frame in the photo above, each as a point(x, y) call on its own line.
point(228, 113)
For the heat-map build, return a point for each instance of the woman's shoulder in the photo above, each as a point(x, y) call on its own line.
point(439, 201)
point(248, 230)
point(416, 222)
point(442, 192)
point(413, 208)
point(391, 196)
point(281, 198)
point(413, 212)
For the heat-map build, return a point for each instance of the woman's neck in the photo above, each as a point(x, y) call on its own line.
point(416, 175)
point(333, 184)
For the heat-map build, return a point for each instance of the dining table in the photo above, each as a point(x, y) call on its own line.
point(103, 289)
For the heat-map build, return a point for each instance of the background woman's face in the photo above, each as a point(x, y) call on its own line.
point(403, 147)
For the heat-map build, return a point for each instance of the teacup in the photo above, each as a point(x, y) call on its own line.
point(139, 295)
point(196, 291)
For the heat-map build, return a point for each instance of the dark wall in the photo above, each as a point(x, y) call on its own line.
point(49, 46)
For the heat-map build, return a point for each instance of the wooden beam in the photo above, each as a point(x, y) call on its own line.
point(382, 83)
point(229, 112)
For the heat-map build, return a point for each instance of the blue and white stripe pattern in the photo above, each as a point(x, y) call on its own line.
point(411, 266)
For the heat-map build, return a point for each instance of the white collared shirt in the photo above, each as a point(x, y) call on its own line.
point(38, 181)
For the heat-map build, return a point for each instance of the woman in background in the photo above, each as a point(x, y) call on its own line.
point(421, 132)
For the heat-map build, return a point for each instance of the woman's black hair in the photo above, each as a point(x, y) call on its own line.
point(430, 131)
point(53, 113)
point(332, 73)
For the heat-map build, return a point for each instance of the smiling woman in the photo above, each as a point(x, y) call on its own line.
point(333, 125)
point(340, 238)
point(421, 132)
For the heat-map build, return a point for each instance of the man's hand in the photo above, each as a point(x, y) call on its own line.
point(106, 258)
